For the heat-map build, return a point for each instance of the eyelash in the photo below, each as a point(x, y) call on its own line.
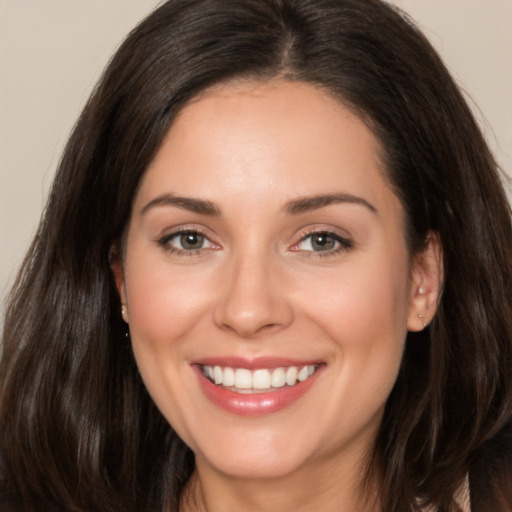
point(164, 242)
point(343, 243)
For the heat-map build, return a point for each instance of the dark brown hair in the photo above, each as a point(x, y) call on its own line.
point(78, 430)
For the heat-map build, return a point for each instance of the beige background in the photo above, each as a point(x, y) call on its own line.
point(52, 51)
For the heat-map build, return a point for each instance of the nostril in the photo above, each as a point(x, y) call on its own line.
point(251, 303)
point(247, 330)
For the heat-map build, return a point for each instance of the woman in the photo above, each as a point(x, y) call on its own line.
point(274, 272)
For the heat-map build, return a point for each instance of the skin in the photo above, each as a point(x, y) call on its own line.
point(258, 287)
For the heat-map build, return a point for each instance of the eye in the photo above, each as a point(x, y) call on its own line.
point(189, 241)
point(322, 241)
point(186, 241)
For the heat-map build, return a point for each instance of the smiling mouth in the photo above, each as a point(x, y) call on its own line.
point(243, 380)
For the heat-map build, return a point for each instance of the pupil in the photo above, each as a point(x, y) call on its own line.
point(191, 240)
point(323, 242)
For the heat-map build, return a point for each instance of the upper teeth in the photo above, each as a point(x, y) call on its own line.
point(242, 378)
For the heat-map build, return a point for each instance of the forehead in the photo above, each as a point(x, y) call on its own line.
point(282, 138)
point(276, 111)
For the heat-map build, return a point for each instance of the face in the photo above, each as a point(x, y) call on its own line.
point(267, 282)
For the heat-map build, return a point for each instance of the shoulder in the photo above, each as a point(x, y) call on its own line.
point(491, 474)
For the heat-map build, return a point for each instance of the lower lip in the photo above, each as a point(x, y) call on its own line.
point(255, 404)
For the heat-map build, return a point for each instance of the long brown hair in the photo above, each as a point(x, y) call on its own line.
point(79, 432)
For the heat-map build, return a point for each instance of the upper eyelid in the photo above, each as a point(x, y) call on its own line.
point(345, 241)
point(166, 237)
point(331, 230)
point(300, 235)
point(340, 239)
point(178, 230)
point(165, 242)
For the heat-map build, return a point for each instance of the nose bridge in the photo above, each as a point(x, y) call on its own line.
point(252, 300)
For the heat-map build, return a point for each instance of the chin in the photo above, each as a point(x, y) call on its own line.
point(255, 457)
point(257, 468)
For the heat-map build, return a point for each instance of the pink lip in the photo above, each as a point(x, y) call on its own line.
point(255, 404)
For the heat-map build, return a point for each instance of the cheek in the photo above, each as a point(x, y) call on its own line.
point(365, 298)
point(163, 303)
point(367, 319)
point(164, 307)
point(364, 313)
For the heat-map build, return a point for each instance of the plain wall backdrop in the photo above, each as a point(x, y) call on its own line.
point(53, 51)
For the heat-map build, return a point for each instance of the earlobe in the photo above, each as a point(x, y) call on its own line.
point(124, 313)
point(427, 279)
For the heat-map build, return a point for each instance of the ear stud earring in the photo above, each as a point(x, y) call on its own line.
point(124, 313)
point(422, 318)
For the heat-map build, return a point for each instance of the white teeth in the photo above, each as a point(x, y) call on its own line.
point(278, 378)
point(244, 379)
point(228, 377)
point(261, 379)
point(217, 375)
point(291, 375)
point(303, 374)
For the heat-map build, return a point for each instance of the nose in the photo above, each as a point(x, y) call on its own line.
point(253, 298)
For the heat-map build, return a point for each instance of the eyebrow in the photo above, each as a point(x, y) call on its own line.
point(186, 203)
point(293, 207)
point(309, 203)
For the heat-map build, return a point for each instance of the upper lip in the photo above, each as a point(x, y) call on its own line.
point(254, 363)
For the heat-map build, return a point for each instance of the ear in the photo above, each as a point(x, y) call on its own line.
point(116, 265)
point(427, 279)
